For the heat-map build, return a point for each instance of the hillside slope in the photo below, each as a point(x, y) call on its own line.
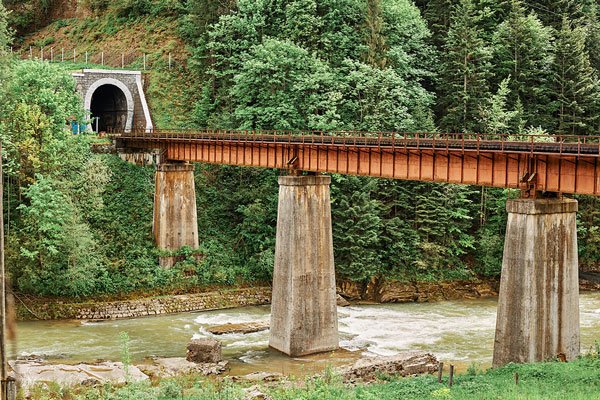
point(111, 37)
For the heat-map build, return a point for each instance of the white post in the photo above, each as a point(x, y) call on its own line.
point(62, 55)
point(42, 53)
point(169, 60)
point(102, 58)
point(144, 61)
point(74, 55)
point(30, 53)
point(122, 60)
point(51, 54)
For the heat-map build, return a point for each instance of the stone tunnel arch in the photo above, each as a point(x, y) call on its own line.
point(112, 102)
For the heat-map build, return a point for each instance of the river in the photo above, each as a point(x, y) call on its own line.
point(460, 332)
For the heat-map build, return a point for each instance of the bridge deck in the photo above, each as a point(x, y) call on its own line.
point(568, 165)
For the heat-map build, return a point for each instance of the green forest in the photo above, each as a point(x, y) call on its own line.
point(79, 224)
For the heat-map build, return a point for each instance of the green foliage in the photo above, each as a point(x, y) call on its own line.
point(465, 71)
point(522, 48)
point(5, 31)
point(495, 118)
point(125, 353)
point(280, 86)
point(140, 8)
point(574, 81)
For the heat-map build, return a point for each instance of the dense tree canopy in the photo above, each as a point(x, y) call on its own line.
point(80, 224)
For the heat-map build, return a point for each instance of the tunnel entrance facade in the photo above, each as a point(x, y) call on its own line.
point(115, 100)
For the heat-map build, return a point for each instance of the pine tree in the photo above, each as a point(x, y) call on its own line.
point(575, 83)
point(437, 14)
point(466, 67)
point(551, 12)
point(522, 48)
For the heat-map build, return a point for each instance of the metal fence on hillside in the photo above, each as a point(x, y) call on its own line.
point(132, 59)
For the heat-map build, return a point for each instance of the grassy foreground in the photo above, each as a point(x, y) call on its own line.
point(579, 379)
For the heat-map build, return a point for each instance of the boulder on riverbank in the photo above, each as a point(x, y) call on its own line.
point(403, 364)
point(202, 351)
point(174, 366)
point(248, 327)
point(342, 302)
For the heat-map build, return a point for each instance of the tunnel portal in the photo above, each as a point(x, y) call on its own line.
point(108, 109)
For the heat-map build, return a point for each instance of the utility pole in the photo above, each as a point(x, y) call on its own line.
point(7, 386)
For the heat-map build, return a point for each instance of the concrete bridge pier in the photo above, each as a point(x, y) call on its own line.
point(175, 219)
point(538, 308)
point(303, 306)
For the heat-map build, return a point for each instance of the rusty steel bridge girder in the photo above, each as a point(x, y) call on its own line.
point(567, 165)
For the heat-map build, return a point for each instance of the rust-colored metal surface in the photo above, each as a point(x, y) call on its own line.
point(568, 164)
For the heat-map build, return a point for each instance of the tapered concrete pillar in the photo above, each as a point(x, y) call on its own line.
point(175, 219)
point(303, 307)
point(538, 308)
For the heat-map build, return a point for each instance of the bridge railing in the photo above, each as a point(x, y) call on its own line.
point(556, 144)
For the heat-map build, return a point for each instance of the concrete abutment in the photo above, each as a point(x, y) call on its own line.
point(303, 305)
point(538, 306)
point(175, 223)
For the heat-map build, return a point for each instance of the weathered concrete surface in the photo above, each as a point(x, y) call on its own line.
point(538, 307)
point(404, 364)
point(303, 306)
point(204, 351)
point(175, 218)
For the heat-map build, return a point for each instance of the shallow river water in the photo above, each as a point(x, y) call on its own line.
point(461, 332)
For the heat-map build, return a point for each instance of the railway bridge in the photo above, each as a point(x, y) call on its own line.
point(538, 309)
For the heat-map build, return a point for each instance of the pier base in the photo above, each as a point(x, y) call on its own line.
point(303, 306)
point(538, 307)
point(175, 220)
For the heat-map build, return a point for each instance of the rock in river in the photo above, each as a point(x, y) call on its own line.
point(204, 351)
point(249, 327)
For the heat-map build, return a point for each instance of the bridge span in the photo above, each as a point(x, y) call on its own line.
point(567, 165)
point(538, 309)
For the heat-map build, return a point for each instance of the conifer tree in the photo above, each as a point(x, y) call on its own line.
point(522, 48)
point(551, 12)
point(466, 67)
point(437, 14)
point(574, 81)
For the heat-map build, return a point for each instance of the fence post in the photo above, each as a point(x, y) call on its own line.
point(51, 54)
point(30, 53)
point(42, 53)
point(86, 57)
point(169, 60)
point(62, 57)
point(144, 61)
point(74, 55)
point(102, 58)
point(122, 60)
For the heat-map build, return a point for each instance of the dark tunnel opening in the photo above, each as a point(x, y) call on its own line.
point(108, 109)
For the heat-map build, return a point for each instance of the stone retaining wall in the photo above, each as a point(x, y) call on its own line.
point(226, 298)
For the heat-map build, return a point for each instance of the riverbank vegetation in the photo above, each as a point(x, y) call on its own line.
point(79, 224)
point(575, 380)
